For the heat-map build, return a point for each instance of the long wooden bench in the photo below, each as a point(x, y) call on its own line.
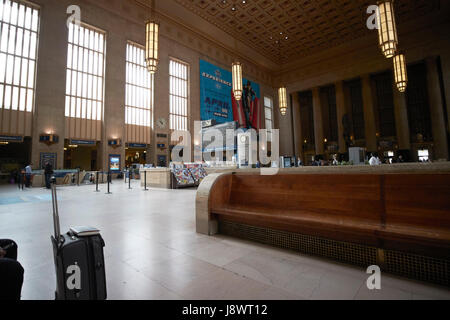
point(404, 210)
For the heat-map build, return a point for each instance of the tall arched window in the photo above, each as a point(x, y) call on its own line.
point(18, 54)
point(179, 94)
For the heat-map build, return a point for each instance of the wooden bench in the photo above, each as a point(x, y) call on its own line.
point(406, 210)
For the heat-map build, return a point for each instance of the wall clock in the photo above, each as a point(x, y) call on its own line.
point(161, 123)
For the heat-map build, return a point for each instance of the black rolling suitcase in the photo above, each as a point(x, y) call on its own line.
point(79, 261)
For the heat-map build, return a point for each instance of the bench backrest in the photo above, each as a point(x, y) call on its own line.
point(336, 196)
point(420, 200)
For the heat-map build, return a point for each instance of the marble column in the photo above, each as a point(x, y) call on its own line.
point(369, 114)
point(286, 130)
point(401, 119)
point(318, 123)
point(436, 110)
point(340, 112)
point(114, 115)
point(445, 65)
point(297, 125)
point(49, 109)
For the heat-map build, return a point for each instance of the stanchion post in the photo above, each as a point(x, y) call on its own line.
point(78, 177)
point(145, 180)
point(129, 179)
point(109, 179)
point(96, 181)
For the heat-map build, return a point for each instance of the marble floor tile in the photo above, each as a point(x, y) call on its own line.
point(153, 252)
point(222, 285)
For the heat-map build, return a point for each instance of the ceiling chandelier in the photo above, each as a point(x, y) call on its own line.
point(387, 29)
point(282, 92)
point(151, 42)
point(236, 68)
point(282, 100)
point(401, 77)
point(236, 71)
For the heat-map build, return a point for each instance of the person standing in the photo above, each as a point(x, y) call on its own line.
point(48, 171)
point(335, 161)
point(28, 172)
point(374, 160)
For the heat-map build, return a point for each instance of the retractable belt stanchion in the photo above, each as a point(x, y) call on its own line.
point(78, 177)
point(96, 181)
point(129, 179)
point(109, 180)
point(145, 180)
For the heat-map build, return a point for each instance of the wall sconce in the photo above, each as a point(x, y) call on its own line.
point(115, 143)
point(49, 139)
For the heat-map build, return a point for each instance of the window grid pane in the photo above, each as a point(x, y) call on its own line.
point(268, 112)
point(178, 72)
point(139, 88)
point(85, 73)
point(18, 50)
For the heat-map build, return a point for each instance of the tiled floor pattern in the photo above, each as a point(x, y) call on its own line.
point(153, 252)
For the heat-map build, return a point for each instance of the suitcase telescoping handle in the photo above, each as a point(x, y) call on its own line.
point(56, 225)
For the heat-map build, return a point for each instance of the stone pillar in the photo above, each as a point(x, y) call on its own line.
point(297, 125)
point(369, 114)
point(401, 119)
point(49, 107)
point(114, 115)
point(340, 112)
point(318, 123)
point(445, 65)
point(161, 104)
point(436, 110)
point(285, 126)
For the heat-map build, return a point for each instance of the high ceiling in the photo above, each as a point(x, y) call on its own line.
point(309, 25)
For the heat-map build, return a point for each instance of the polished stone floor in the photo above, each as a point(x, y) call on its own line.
point(153, 252)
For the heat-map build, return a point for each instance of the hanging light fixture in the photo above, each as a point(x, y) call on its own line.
point(282, 92)
point(151, 42)
point(387, 31)
point(400, 73)
point(236, 68)
point(236, 71)
point(282, 100)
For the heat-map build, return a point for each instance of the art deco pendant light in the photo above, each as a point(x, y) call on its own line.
point(151, 42)
point(400, 73)
point(236, 68)
point(282, 92)
point(236, 72)
point(387, 31)
point(282, 100)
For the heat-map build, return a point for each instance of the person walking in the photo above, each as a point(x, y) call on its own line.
point(28, 172)
point(48, 171)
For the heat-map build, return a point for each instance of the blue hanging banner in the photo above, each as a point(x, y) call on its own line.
point(215, 94)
